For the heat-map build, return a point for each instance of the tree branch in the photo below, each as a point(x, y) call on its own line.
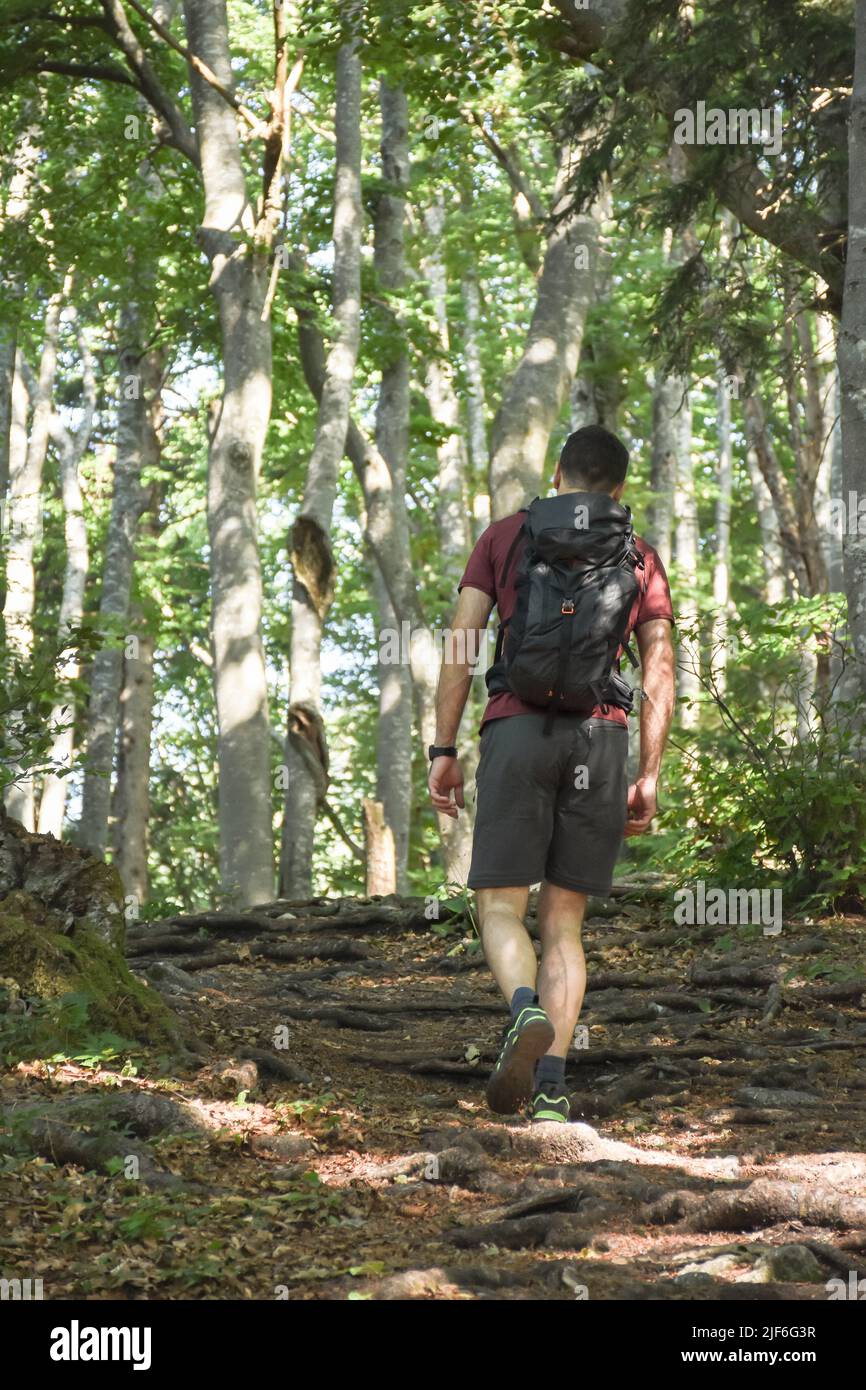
point(257, 126)
point(97, 72)
point(147, 82)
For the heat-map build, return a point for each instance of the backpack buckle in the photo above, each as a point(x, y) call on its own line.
point(568, 605)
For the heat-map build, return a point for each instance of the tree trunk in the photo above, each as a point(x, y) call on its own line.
point(722, 557)
point(131, 806)
point(393, 734)
point(239, 280)
point(852, 357)
point(686, 539)
point(394, 727)
point(25, 511)
point(666, 400)
point(806, 409)
point(387, 532)
point(18, 180)
point(453, 520)
point(537, 390)
point(52, 802)
point(379, 849)
point(311, 548)
point(755, 423)
point(140, 373)
point(453, 501)
point(772, 555)
point(476, 410)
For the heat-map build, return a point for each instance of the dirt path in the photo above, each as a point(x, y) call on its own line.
point(331, 1139)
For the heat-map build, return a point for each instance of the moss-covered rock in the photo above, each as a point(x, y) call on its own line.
point(43, 967)
point(64, 879)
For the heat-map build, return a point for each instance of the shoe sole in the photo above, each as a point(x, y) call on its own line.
point(508, 1088)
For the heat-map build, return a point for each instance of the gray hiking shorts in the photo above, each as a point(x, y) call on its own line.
point(550, 806)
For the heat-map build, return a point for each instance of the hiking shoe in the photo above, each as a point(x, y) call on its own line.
point(527, 1038)
point(550, 1102)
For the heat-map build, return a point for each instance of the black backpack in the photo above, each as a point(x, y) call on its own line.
point(576, 584)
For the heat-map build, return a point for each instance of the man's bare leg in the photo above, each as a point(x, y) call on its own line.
point(510, 954)
point(507, 945)
point(562, 975)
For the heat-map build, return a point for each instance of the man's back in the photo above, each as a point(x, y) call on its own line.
point(485, 570)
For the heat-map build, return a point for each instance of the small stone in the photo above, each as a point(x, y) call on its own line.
point(788, 1264)
point(283, 1145)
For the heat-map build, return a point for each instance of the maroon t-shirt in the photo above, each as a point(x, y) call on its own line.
point(485, 571)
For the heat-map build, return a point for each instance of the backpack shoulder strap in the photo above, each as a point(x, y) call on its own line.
point(512, 549)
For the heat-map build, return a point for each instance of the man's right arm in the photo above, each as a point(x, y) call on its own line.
point(455, 679)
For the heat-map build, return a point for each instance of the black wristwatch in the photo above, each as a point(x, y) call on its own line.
point(434, 752)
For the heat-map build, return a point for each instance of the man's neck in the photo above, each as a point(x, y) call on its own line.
point(561, 491)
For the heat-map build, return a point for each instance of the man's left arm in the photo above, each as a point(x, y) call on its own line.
point(658, 680)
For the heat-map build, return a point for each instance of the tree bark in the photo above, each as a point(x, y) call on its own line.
point(852, 355)
point(453, 501)
point(379, 848)
point(722, 556)
point(52, 802)
point(758, 435)
point(666, 399)
point(131, 805)
point(139, 382)
point(537, 390)
point(476, 409)
point(311, 549)
point(25, 513)
point(453, 512)
point(394, 727)
point(237, 248)
point(18, 180)
point(775, 582)
point(686, 542)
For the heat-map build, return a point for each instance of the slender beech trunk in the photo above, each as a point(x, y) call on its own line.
point(453, 519)
point(71, 447)
point(772, 554)
point(25, 510)
point(852, 355)
point(758, 435)
point(452, 492)
point(312, 560)
point(476, 409)
point(394, 727)
point(18, 180)
point(829, 481)
point(239, 260)
point(806, 424)
point(686, 539)
point(667, 397)
point(131, 804)
point(387, 532)
point(139, 381)
point(722, 556)
point(535, 394)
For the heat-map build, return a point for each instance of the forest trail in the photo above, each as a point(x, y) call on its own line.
point(718, 1113)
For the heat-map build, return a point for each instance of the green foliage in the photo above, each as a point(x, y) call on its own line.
point(770, 789)
point(29, 693)
point(56, 1030)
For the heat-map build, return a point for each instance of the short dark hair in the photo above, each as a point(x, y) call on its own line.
point(593, 459)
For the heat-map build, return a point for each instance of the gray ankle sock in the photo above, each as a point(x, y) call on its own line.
point(550, 1070)
point(522, 998)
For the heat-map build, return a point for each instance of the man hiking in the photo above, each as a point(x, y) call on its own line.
point(571, 583)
